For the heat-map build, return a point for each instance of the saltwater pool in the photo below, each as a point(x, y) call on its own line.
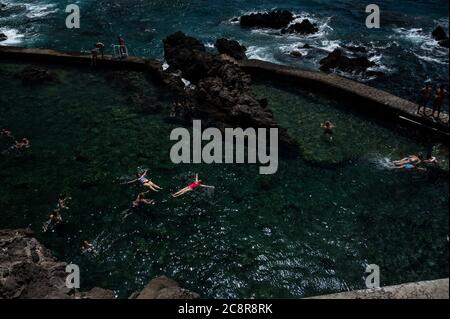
point(309, 229)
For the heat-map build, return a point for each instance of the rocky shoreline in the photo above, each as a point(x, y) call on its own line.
point(29, 271)
point(219, 92)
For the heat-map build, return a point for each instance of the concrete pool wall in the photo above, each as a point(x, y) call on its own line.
point(363, 97)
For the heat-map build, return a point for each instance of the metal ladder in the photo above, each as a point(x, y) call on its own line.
point(117, 54)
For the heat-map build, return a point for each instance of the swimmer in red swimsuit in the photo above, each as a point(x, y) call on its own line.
point(192, 186)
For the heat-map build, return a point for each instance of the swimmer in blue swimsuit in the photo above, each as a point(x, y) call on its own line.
point(410, 167)
point(146, 182)
point(411, 159)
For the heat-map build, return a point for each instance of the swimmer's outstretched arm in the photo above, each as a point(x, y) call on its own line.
point(135, 180)
point(196, 177)
point(207, 186)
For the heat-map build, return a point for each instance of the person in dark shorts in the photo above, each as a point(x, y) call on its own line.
point(439, 97)
point(425, 96)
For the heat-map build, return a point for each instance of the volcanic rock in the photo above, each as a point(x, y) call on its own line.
point(223, 92)
point(439, 34)
point(231, 48)
point(336, 60)
point(37, 75)
point(29, 271)
point(444, 43)
point(187, 54)
point(276, 19)
point(296, 54)
point(164, 288)
point(304, 28)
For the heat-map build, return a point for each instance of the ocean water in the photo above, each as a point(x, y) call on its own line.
point(402, 48)
point(310, 229)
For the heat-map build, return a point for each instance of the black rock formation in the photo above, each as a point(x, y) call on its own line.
point(231, 48)
point(276, 19)
point(223, 92)
point(336, 60)
point(304, 28)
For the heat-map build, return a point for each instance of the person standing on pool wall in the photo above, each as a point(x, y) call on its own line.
point(439, 100)
point(192, 186)
point(101, 48)
point(145, 182)
point(424, 97)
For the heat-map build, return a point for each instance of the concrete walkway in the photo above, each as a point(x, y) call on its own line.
point(364, 97)
point(436, 289)
point(75, 58)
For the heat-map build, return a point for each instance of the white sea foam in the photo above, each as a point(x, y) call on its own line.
point(14, 37)
point(321, 23)
point(430, 59)
point(330, 45)
point(40, 10)
point(288, 48)
point(424, 46)
point(260, 53)
point(419, 37)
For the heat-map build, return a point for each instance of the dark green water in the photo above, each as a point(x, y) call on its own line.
point(310, 229)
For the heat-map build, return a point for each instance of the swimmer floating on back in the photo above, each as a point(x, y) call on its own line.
point(192, 186)
point(62, 201)
point(409, 167)
point(411, 159)
point(87, 247)
point(145, 182)
point(6, 133)
point(140, 199)
point(22, 144)
point(55, 219)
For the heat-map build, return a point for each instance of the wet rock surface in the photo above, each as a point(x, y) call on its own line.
point(164, 288)
point(187, 54)
point(276, 19)
point(337, 60)
point(3, 37)
point(33, 74)
point(296, 54)
point(223, 94)
point(131, 83)
point(29, 271)
point(231, 48)
point(304, 28)
point(441, 36)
